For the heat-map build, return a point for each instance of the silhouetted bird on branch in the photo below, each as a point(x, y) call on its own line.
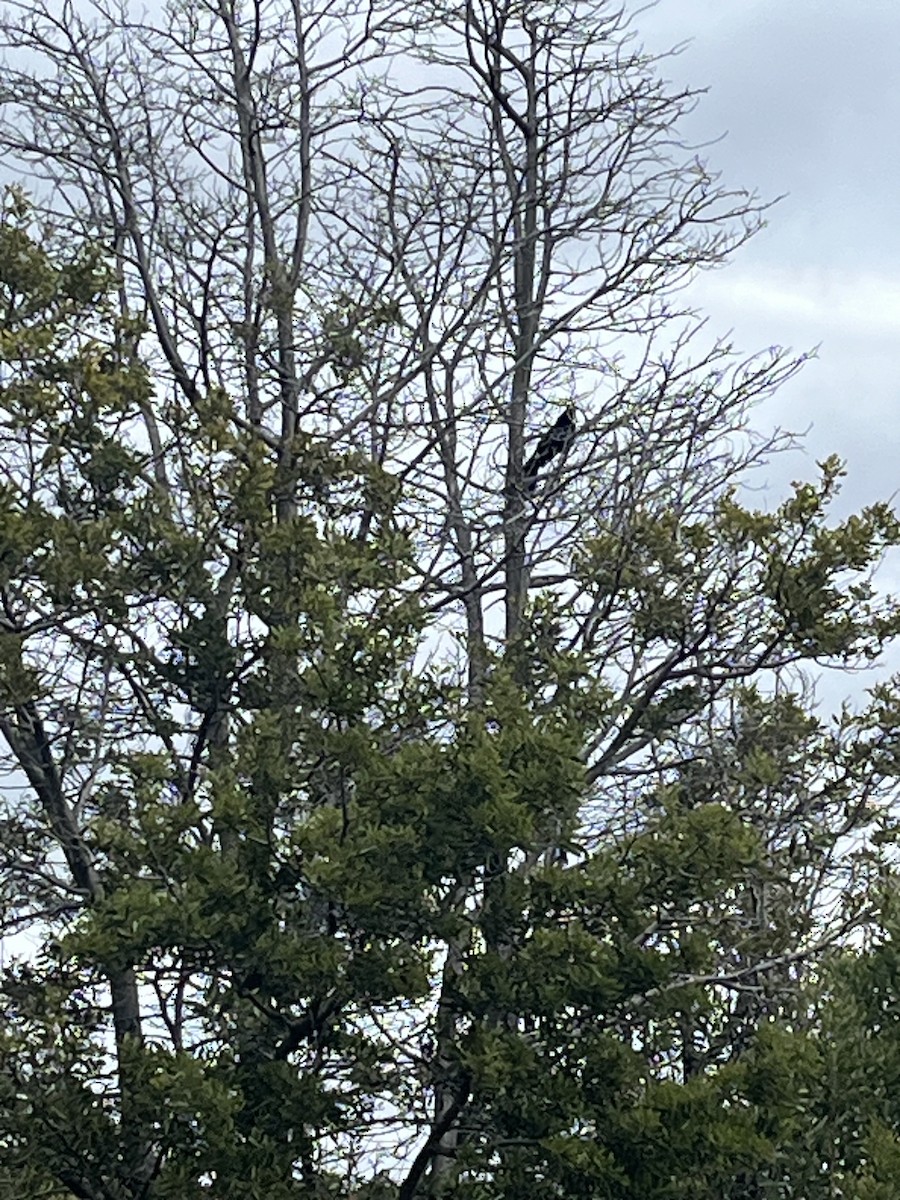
point(556, 440)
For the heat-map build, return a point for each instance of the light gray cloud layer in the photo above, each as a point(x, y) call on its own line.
point(808, 94)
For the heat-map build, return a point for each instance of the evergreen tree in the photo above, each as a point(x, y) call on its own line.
point(336, 883)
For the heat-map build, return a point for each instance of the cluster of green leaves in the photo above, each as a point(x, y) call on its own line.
point(242, 787)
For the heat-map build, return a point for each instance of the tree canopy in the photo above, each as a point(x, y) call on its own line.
point(411, 791)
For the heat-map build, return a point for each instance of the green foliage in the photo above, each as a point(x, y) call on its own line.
point(344, 884)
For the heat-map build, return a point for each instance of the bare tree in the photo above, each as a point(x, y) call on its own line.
point(427, 272)
point(421, 235)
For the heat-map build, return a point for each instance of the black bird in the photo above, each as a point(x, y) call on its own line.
point(556, 440)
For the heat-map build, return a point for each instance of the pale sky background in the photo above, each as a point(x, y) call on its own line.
point(804, 100)
point(805, 95)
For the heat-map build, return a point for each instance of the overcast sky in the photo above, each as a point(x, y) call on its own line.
point(807, 96)
point(804, 96)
